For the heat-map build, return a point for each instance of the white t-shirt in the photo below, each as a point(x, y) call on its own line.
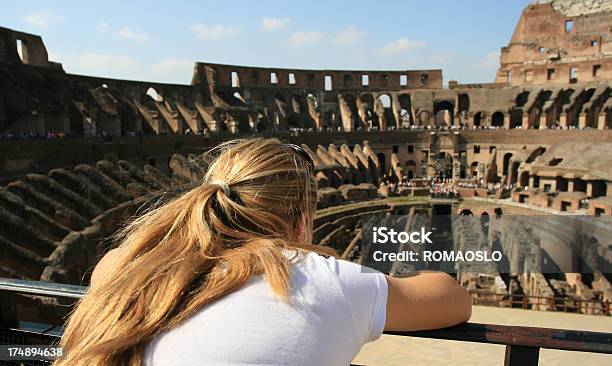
point(335, 307)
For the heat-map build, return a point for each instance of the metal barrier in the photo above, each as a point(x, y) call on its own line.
point(562, 304)
point(523, 344)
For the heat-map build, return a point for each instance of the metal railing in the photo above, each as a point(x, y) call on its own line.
point(547, 303)
point(523, 344)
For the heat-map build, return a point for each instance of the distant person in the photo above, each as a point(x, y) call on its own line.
point(226, 274)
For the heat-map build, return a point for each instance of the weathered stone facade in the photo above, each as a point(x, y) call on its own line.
point(559, 42)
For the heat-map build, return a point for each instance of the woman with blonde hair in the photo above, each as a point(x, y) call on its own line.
point(226, 274)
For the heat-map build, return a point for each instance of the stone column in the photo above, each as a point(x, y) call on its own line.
point(582, 120)
point(601, 121)
point(563, 120)
point(589, 189)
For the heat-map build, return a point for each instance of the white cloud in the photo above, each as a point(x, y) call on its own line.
point(273, 24)
point(103, 28)
point(127, 33)
point(42, 19)
point(490, 61)
point(300, 38)
point(98, 64)
point(350, 35)
point(213, 33)
point(400, 45)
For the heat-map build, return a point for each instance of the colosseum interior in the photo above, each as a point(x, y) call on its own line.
point(529, 157)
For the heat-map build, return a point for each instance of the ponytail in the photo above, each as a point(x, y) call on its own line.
point(256, 202)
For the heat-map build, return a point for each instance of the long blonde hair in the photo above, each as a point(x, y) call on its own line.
point(196, 248)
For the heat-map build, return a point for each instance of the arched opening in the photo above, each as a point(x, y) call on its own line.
point(262, 123)
point(444, 111)
point(443, 165)
point(600, 188)
point(524, 179)
point(410, 169)
point(484, 220)
point(405, 111)
point(385, 99)
point(497, 119)
point(516, 118)
point(474, 169)
point(580, 185)
point(514, 172)
point(463, 108)
point(154, 95)
point(329, 119)
point(521, 99)
point(383, 163)
point(328, 83)
point(466, 212)
point(22, 51)
point(498, 212)
point(424, 117)
point(313, 100)
point(506, 165)
point(562, 184)
point(239, 97)
point(478, 117)
point(535, 154)
point(370, 118)
point(235, 80)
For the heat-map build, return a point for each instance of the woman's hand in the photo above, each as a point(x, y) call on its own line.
point(426, 300)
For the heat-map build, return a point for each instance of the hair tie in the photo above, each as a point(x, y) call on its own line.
point(223, 185)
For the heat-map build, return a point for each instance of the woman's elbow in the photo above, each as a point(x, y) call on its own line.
point(463, 304)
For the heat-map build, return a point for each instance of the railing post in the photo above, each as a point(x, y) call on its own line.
point(8, 309)
point(521, 356)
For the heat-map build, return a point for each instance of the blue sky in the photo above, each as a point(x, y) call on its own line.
point(161, 40)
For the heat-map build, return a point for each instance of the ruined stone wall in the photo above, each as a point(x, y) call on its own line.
point(55, 226)
point(240, 100)
point(559, 42)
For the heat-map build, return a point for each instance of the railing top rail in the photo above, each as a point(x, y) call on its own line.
point(42, 288)
point(562, 339)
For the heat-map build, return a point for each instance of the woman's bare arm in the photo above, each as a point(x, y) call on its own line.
point(104, 266)
point(426, 300)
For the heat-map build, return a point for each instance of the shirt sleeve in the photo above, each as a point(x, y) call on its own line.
point(366, 293)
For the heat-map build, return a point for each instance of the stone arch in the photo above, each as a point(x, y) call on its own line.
point(370, 117)
point(535, 154)
point(474, 169)
point(386, 100)
point(382, 160)
point(479, 118)
point(524, 179)
point(410, 169)
point(444, 111)
point(497, 119)
point(154, 94)
point(406, 117)
point(516, 118)
point(424, 117)
point(463, 107)
point(466, 212)
point(506, 164)
point(443, 165)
